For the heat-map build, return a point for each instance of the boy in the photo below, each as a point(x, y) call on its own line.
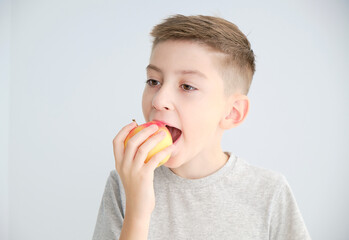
point(198, 77)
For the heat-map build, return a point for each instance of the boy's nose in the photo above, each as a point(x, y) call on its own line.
point(162, 100)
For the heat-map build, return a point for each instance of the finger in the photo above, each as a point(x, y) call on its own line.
point(134, 143)
point(157, 158)
point(146, 147)
point(118, 143)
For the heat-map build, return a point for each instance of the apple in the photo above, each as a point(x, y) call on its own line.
point(165, 142)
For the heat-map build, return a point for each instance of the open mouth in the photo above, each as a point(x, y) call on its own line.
point(175, 133)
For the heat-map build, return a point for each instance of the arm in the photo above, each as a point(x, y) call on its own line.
point(137, 177)
point(286, 221)
point(134, 228)
point(112, 223)
point(132, 180)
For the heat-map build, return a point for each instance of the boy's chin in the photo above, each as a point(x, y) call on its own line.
point(172, 163)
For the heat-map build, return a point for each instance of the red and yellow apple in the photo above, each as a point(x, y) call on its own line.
point(165, 142)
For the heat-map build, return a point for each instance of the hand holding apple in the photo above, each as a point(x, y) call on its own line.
point(137, 177)
point(165, 142)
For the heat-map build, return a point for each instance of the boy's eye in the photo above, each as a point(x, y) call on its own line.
point(187, 87)
point(152, 82)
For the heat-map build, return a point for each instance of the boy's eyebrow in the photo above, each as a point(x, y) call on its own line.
point(195, 72)
point(150, 66)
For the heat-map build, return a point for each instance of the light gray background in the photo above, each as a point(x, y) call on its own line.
point(72, 74)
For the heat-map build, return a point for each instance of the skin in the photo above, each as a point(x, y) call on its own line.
point(191, 101)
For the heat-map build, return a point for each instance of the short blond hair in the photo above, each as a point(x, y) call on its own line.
point(238, 62)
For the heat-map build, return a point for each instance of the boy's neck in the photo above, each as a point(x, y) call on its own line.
point(202, 165)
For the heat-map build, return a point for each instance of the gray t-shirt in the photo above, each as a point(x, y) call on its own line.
point(239, 201)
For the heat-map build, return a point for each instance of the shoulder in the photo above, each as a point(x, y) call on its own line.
point(258, 180)
point(114, 189)
point(258, 174)
point(114, 183)
point(114, 176)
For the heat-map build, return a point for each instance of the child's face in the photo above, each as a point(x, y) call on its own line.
point(185, 90)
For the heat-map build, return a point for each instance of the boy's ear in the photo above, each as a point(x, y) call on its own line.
point(237, 109)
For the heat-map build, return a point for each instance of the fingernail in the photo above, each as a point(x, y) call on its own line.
point(154, 126)
point(162, 133)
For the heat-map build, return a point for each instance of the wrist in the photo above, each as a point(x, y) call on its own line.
point(137, 224)
point(136, 217)
point(135, 227)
